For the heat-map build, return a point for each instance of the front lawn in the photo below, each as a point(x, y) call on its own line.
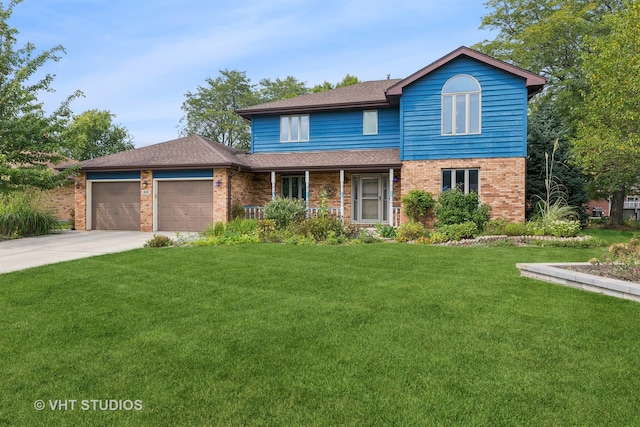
point(381, 334)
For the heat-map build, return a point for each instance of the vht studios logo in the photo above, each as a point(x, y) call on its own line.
point(88, 405)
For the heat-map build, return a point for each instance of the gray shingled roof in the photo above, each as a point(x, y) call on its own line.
point(198, 152)
point(189, 152)
point(359, 95)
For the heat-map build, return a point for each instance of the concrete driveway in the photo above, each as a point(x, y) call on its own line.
point(67, 245)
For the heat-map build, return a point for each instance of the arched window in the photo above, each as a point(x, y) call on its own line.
point(461, 106)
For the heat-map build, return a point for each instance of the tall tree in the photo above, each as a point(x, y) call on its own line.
point(209, 111)
point(348, 80)
point(93, 134)
point(29, 138)
point(607, 145)
point(548, 132)
point(275, 90)
point(548, 37)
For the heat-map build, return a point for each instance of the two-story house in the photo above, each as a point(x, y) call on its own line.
point(459, 122)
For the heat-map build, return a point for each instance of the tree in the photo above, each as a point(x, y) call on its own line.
point(348, 80)
point(548, 37)
point(290, 87)
point(29, 138)
point(210, 111)
point(93, 134)
point(546, 127)
point(607, 145)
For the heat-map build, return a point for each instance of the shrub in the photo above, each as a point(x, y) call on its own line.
point(285, 211)
point(320, 228)
point(237, 211)
point(496, 227)
point(457, 232)
point(563, 228)
point(23, 214)
point(516, 229)
point(418, 204)
point(158, 241)
point(410, 231)
point(386, 231)
point(455, 207)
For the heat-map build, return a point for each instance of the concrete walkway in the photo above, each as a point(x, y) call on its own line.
point(67, 245)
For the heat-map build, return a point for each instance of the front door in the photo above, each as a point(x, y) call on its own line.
point(371, 198)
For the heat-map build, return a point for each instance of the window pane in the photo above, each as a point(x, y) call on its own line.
point(370, 209)
point(304, 128)
point(474, 113)
point(370, 123)
point(285, 187)
point(295, 188)
point(474, 180)
point(446, 180)
point(447, 113)
point(461, 114)
point(369, 187)
point(284, 128)
point(460, 179)
point(461, 84)
point(294, 129)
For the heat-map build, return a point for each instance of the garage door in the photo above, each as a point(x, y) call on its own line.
point(185, 205)
point(115, 206)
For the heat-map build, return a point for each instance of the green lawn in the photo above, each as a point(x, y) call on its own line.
point(384, 334)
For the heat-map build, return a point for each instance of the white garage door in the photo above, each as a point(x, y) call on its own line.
point(185, 205)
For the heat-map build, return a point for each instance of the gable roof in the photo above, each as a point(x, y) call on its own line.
point(190, 152)
point(360, 95)
point(533, 82)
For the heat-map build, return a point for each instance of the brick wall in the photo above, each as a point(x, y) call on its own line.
point(502, 182)
point(60, 201)
point(81, 202)
point(146, 200)
point(220, 201)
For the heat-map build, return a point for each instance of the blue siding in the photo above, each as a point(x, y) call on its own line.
point(504, 115)
point(339, 130)
point(185, 173)
point(97, 176)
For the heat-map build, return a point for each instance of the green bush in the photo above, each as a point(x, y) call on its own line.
point(237, 211)
point(563, 228)
point(455, 207)
point(410, 231)
point(23, 214)
point(386, 231)
point(516, 229)
point(418, 204)
point(320, 228)
point(457, 232)
point(285, 211)
point(158, 241)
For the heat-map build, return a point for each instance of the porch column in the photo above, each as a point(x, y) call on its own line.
point(306, 190)
point(273, 185)
point(390, 215)
point(342, 195)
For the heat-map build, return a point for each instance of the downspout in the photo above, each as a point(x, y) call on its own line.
point(229, 193)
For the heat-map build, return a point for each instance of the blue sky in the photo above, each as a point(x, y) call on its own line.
point(138, 58)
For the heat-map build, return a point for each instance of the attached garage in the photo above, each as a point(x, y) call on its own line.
point(184, 205)
point(115, 205)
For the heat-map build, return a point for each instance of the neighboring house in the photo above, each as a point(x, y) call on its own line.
point(459, 122)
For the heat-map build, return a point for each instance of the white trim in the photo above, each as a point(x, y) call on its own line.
point(342, 195)
point(289, 124)
point(155, 195)
point(390, 203)
point(273, 185)
point(306, 189)
point(89, 197)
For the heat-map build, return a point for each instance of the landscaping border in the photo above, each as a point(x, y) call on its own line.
point(555, 273)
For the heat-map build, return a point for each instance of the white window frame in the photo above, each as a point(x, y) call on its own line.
point(454, 184)
point(289, 126)
point(452, 109)
point(372, 117)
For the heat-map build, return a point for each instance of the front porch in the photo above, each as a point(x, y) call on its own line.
point(366, 197)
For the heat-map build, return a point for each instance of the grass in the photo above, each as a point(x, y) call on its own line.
point(385, 334)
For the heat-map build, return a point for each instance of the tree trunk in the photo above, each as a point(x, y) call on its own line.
point(617, 206)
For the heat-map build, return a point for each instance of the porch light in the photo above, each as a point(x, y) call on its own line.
point(218, 183)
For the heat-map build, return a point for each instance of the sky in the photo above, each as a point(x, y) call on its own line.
point(138, 58)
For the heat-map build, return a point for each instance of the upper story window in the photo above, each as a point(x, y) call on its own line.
point(370, 122)
point(461, 102)
point(294, 128)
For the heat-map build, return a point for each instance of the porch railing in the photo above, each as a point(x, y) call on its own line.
point(257, 212)
point(632, 205)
